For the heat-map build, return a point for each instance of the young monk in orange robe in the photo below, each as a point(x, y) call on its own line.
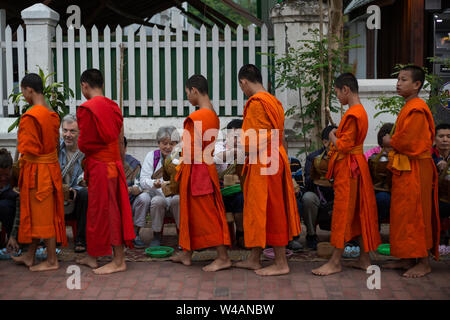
point(414, 213)
point(202, 213)
point(270, 208)
point(109, 218)
point(354, 208)
point(40, 181)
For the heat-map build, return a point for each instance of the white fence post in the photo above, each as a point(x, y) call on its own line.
point(155, 79)
point(180, 74)
point(3, 112)
point(228, 107)
point(118, 43)
point(72, 78)
point(203, 56)
point(239, 64)
point(143, 71)
point(40, 23)
point(131, 91)
point(215, 69)
point(108, 71)
point(167, 70)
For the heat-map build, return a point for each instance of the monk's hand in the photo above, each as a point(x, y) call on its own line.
point(441, 165)
point(157, 184)
point(12, 245)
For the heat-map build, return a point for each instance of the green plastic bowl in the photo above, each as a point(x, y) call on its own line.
point(159, 252)
point(385, 249)
point(231, 190)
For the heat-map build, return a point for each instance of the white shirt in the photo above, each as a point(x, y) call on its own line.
point(220, 147)
point(146, 181)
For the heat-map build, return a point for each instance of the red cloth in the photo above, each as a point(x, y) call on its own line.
point(109, 217)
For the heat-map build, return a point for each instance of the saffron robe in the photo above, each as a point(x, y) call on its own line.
point(109, 217)
point(40, 181)
point(203, 221)
point(270, 207)
point(414, 215)
point(354, 208)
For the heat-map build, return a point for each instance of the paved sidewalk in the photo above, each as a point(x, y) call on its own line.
point(166, 280)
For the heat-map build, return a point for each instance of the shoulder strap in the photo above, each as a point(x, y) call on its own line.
point(71, 163)
point(156, 158)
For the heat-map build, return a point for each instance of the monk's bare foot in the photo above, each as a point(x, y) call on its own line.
point(404, 264)
point(111, 267)
point(25, 259)
point(419, 270)
point(183, 257)
point(248, 264)
point(88, 261)
point(45, 266)
point(327, 269)
point(218, 264)
point(362, 263)
point(273, 270)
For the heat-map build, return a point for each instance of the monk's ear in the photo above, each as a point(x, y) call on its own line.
point(417, 85)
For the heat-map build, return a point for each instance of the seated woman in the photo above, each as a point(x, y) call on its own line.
point(151, 182)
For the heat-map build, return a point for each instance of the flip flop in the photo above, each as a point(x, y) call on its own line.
point(79, 245)
point(5, 255)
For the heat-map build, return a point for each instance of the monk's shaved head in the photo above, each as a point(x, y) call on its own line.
point(33, 81)
point(93, 77)
point(251, 73)
point(417, 74)
point(199, 82)
point(347, 79)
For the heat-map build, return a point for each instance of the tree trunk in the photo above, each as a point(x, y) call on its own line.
point(322, 80)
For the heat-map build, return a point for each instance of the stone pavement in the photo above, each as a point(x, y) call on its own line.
point(166, 280)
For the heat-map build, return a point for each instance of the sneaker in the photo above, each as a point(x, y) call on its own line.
point(312, 241)
point(295, 246)
point(138, 243)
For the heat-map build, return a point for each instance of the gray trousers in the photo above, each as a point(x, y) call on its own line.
point(159, 207)
point(311, 203)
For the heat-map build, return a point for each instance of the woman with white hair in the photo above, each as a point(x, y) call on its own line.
point(151, 182)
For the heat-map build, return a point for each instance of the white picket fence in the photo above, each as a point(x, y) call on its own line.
point(111, 42)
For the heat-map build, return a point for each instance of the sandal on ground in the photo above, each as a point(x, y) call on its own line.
point(79, 248)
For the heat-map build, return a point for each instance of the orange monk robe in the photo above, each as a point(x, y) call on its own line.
point(203, 222)
point(40, 181)
point(354, 208)
point(270, 207)
point(414, 197)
